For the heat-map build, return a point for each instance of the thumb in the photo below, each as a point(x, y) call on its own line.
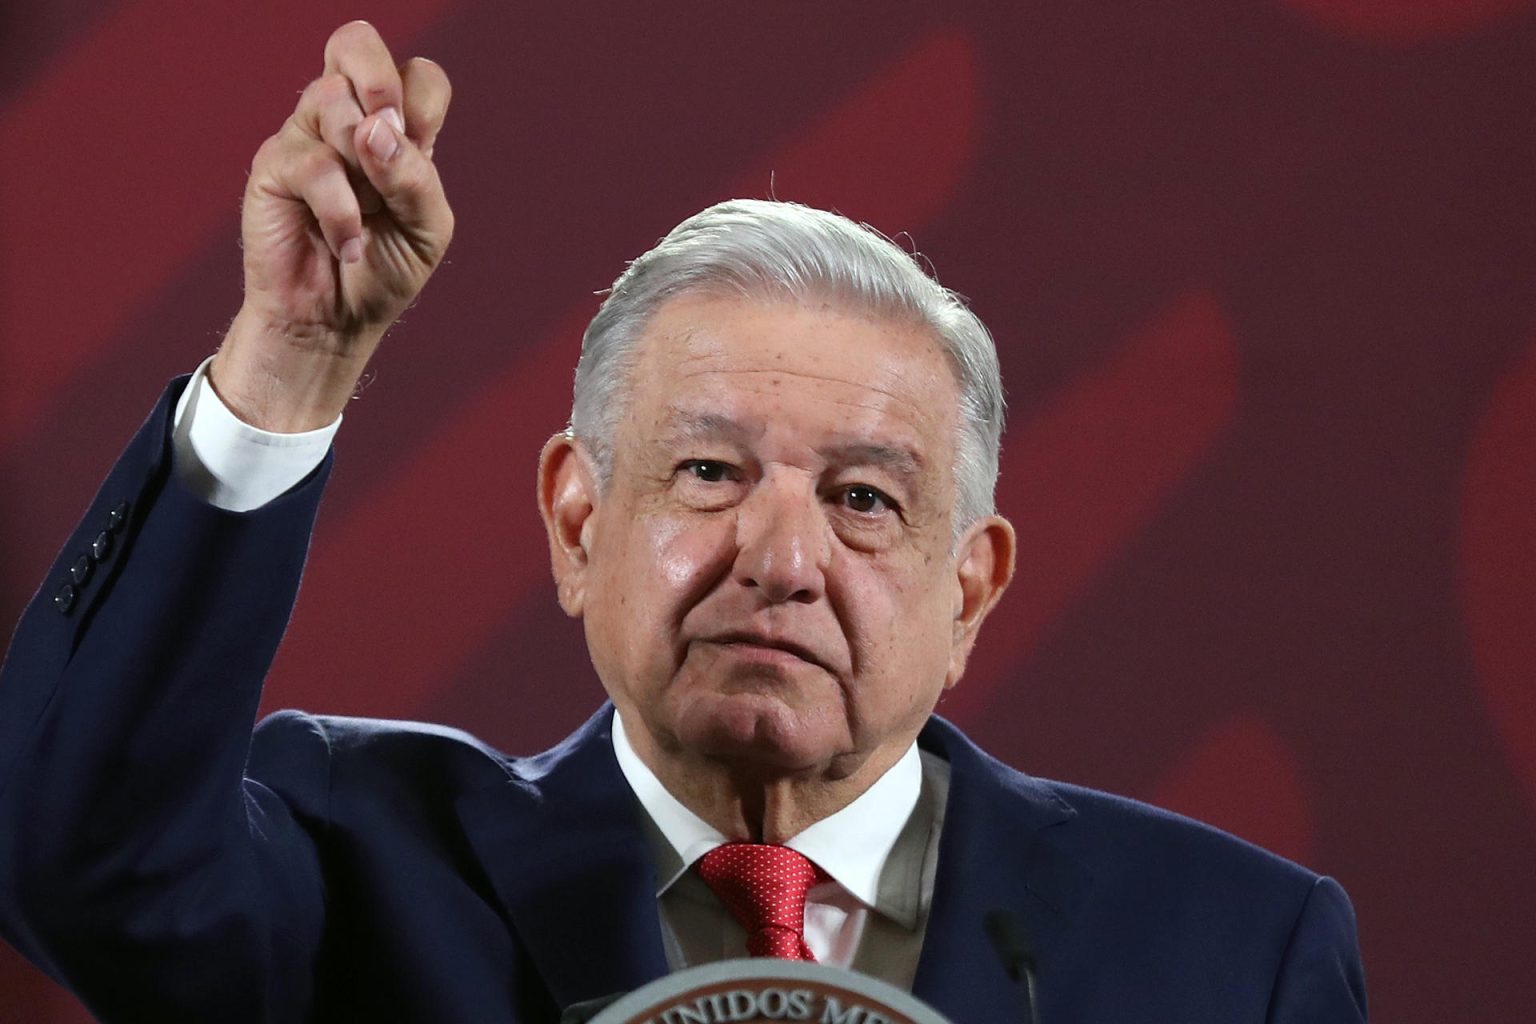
point(404, 178)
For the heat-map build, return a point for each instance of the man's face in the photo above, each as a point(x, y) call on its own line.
point(767, 579)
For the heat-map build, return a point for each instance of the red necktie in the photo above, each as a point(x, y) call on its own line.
point(764, 888)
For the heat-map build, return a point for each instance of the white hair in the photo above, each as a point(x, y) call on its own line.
point(770, 250)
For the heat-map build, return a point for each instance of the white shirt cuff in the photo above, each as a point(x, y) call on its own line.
point(231, 464)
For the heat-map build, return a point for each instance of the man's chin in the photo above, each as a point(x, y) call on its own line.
point(762, 732)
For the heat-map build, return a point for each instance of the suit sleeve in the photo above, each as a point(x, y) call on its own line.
point(1321, 979)
point(138, 866)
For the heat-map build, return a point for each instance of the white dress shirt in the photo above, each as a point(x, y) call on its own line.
point(852, 846)
point(231, 464)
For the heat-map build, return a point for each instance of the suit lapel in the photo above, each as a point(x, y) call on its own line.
point(999, 850)
point(564, 848)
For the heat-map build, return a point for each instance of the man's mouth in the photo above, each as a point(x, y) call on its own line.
point(757, 646)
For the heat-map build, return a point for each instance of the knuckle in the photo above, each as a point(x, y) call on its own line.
point(332, 201)
point(331, 88)
point(317, 161)
point(275, 154)
point(337, 218)
point(353, 33)
point(414, 178)
point(270, 149)
point(376, 89)
point(310, 94)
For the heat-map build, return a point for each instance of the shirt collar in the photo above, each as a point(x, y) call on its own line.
point(852, 845)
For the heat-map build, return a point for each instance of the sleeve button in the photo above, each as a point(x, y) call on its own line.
point(101, 547)
point(80, 572)
point(118, 517)
point(64, 600)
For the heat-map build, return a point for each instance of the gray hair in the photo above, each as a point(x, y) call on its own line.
point(767, 249)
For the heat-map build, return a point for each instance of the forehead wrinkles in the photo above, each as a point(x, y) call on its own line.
point(846, 418)
point(704, 354)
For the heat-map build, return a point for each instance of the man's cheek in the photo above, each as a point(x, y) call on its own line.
point(910, 633)
point(678, 567)
point(688, 554)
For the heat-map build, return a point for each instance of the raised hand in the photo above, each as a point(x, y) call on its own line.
point(343, 221)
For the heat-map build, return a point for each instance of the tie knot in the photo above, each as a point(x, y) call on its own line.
point(764, 888)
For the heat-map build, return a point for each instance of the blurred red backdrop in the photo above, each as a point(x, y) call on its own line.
point(1261, 274)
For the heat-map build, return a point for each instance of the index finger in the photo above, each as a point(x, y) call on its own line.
point(356, 51)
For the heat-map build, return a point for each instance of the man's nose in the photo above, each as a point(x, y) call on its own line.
point(782, 542)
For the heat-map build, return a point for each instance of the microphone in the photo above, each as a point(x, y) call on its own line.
point(1016, 954)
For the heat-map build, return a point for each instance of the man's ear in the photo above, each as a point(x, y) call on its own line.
point(983, 568)
point(568, 502)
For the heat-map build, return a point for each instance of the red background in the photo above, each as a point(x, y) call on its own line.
point(1261, 274)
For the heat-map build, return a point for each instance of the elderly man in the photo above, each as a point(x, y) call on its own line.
point(772, 512)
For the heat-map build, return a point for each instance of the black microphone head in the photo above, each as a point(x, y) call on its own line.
point(1017, 955)
point(1009, 940)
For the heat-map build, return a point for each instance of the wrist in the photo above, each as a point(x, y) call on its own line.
point(286, 378)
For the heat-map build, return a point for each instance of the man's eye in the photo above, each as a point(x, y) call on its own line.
point(865, 499)
point(707, 470)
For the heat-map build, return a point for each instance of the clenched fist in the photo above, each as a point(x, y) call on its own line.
point(343, 221)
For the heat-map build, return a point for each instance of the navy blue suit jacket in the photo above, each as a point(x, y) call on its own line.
point(167, 866)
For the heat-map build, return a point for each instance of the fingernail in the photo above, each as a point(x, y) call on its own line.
point(382, 141)
point(393, 114)
point(352, 250)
